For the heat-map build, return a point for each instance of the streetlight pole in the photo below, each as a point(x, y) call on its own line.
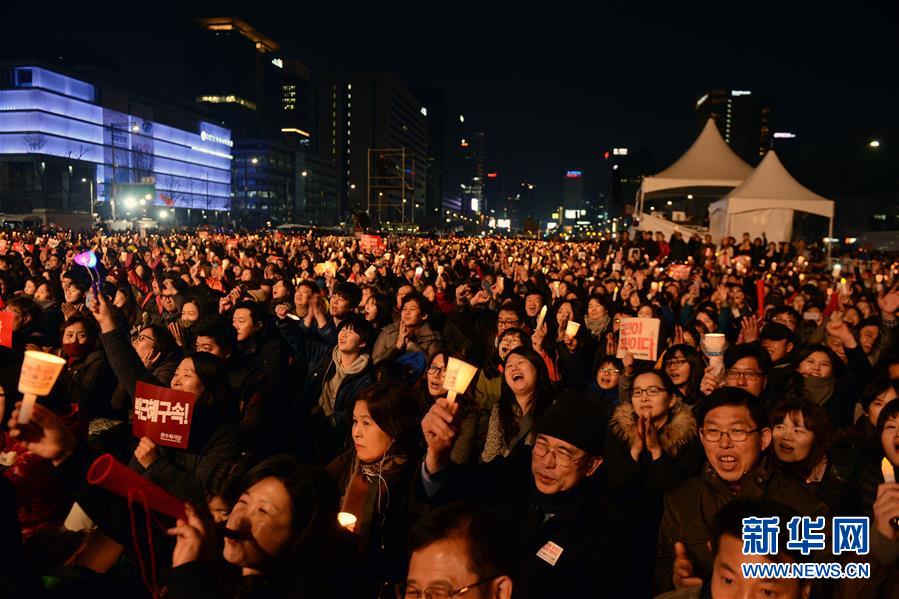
point(90, 182)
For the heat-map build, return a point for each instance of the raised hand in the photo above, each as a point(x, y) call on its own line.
point(439, 433)
point(749, 331)
point(710, 381)
point(683, 568)
point(190, 536)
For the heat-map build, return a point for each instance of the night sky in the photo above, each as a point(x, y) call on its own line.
point(552, 85)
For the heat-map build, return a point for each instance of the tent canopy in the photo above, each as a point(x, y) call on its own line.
point(709, 162)
point(765, 203)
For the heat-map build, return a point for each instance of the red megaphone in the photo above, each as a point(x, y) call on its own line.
point(117, 478)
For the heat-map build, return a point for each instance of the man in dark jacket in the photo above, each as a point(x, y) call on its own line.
point(569, 533)
point(246, 382)
point(261, 344)
point(336, 373)
point(734, 434)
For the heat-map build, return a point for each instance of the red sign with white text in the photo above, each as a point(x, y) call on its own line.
point(6, 329)
point(162, 414)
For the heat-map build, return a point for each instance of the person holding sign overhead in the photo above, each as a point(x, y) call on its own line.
point(200, 470)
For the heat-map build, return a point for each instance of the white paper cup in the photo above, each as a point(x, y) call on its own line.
point(39, 372)
point(458, 377)
point(541, 317)
point(713, 344)
point(571, 329)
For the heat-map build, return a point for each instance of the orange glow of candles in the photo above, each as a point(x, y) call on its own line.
point(889, 474)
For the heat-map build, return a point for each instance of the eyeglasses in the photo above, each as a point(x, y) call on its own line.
point(561, 457)
point(675, 363)
point(609, 371)
point(507, 323)
point(436, 371)
point(749, 375)
point(713, 435)
point(144, 338)
point(649, 391)
point(406, 592)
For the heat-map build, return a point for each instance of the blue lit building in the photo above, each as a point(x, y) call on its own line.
point(73, 144)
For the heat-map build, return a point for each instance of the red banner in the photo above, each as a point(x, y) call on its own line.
point(6, 329)
point(373, 244)
point(162, 414)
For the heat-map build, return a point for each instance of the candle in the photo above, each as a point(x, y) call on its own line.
point(347, 520)
point(572, 329)
point(541, 317)
point(39, 372)
point(458, 376)
point(615, 295)
point(889, 474)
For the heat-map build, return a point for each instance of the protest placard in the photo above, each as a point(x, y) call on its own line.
point(6, 329)
point(162, 414)
point(640, 337)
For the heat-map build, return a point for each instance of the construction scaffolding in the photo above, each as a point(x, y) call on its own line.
point(391, 187)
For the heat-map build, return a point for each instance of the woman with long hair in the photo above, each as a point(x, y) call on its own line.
point(376, 478)
point(525, 395)
point(685, 366)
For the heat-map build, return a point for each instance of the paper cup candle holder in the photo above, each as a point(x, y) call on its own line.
point(571, 329)
point(713, 346)
point(458, 377)
point(39, 372)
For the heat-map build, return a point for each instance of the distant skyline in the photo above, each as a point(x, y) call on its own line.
point(552, 88)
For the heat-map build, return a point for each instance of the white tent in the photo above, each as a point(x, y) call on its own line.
point(765, 203)
point(709, 162)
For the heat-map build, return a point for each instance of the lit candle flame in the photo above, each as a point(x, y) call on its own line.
point(889, 475)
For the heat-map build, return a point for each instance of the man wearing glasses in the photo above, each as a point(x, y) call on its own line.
point(745, 367)
point(459, 550)
point(735, 434)
point(569, 530)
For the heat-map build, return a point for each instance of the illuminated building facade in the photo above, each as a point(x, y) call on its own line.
point(71, 145)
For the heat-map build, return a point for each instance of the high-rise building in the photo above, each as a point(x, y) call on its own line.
point(74, 142)
point(245, 79)
point(434, 103)
point(572, 196)
point(626, 169)
point(376, 133)
point(743, 118)
point(473, 154)
point(521, 205)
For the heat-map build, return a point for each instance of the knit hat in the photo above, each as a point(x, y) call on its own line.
point(576, 420)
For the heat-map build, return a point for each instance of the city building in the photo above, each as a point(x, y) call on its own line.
point(87, 142)
point(246, 80)
point(376, 133)
point(474, 173)
point(434, 102)
point(572, 197)
point(743, 118)
point(626, 169)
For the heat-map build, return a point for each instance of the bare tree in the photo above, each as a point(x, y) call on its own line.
point(141, 162)
point(72, 157)
point(34, 144)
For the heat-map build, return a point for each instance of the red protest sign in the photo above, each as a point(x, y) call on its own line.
point(6, 329)
point(162, 414)
point(373, 244)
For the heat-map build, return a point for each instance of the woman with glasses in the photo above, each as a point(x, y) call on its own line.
point(489, 379)
point(652, 446)
point(685, 366)
point(603, 387)
point(525, 395)
point(429, 388)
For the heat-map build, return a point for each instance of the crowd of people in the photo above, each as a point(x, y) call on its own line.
point(327, 459)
